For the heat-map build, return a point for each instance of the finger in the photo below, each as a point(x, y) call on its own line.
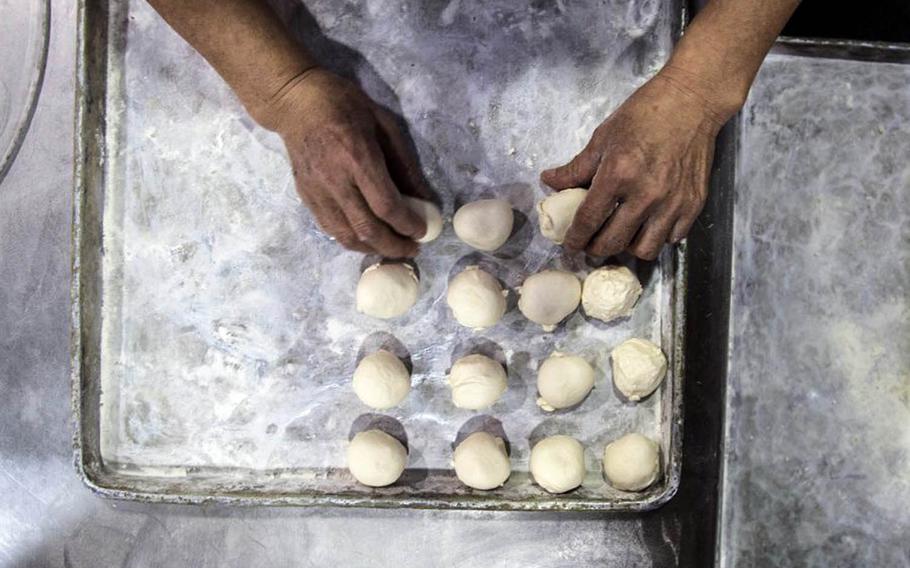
point(370, 230)
point(578, 172)
point(684, 224)
point(619, 230)
point(653, 234)
point(333, 222)
point(384, 199)
point(596, 208)
point(400, 158)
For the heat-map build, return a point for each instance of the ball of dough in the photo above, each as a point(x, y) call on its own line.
point(610, 293)
point(387, 290)
point(477, 382)
point(556, 212)
point(381, 380)
point(558, 463)
point(485, 224)
point(549, 296)
point(476, 298)
point(375, 458)
point(430, 215)
point(632, 462)
point(481, 461)
point(638, 368)
point(563, 380)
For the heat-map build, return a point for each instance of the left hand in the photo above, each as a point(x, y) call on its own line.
point(647, 166)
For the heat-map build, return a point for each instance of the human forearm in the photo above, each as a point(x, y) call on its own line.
point(723, 48)
point(246, 44)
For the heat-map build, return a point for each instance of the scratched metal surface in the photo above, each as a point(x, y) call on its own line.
point(227, 333)
point(817, 449)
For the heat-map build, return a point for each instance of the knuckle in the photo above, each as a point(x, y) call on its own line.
point(365, 231)
point(587, 218)
point(624, 167)
point(343, 141)
point(652, 194)
point(387, 206)
point(346, 237)
point(693, 208)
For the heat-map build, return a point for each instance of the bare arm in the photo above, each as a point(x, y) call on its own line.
point(351, 163)
point(647, 165)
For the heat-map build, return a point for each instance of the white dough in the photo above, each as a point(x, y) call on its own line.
point(558, 463)
point(610, 293)
point(381, 380)
point(375, 458)
point(556, 212)
point(485, 224)
point(430, 215)
point(477, 382)
point(638, 368)
point(549, 296)
point(632, 462)
point(563, 380)
point(387, 290)
point(481, 461)
point(476, 298)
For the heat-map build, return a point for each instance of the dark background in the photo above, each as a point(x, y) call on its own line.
point(875, 20)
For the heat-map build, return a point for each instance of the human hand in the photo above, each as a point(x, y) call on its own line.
point(647, 166)
point(351, 163)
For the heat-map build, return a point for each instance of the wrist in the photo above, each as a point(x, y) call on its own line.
point(722, 92)
point(691, 101)
point(269, 101)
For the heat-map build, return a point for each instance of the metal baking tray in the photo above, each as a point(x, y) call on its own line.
point(213, 328)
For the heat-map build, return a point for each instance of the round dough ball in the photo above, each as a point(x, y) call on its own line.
point(387, 290)
point(632, 462)
point(477, 382)
point(430, 215)
point(558, 463)
point(375, 458)
point(563, 380)
point(638, 368)
point(610, 293)
point(476, 298)
point(481, 461)
point(485, 224)
point(549, 296)
point(556, 212)
point(381, 380)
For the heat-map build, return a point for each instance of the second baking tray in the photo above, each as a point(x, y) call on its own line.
point(214, 329)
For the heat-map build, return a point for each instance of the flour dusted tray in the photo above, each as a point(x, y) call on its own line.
point(214, 331)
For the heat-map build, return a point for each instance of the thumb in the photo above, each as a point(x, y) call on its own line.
point(578, 172)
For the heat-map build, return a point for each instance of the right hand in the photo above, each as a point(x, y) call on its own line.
point(351, 163)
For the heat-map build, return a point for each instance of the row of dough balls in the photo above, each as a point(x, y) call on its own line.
point(478, 301)
point(381, 380)
point(630, 463)
point(486, 224)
